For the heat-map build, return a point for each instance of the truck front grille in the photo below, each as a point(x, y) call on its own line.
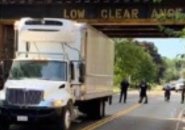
point(23, 97)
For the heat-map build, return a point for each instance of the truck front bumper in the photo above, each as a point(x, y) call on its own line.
point(24, 115)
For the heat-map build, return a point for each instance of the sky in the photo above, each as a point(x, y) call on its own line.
point(168, 47)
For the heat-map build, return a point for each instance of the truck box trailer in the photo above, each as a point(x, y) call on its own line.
point(61, 67)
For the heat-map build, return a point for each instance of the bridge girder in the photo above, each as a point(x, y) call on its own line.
point(142, 28)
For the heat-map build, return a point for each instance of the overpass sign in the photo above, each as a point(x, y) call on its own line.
point(90, 9)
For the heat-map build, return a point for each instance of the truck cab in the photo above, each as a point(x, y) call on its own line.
point(38, 87)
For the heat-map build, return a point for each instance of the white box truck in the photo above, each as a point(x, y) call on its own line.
point(61, 68)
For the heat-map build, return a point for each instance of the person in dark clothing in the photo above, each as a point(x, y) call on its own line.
point(143, 86)
point(182, 93)
point(167, 92)
point(124, 87)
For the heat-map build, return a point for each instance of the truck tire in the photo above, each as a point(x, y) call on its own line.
point(97, 109)
point(65, 121)
point(101, 109)
point(4, 126)
point(94, 109)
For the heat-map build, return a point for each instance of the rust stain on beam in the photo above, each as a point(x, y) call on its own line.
point(7, 21)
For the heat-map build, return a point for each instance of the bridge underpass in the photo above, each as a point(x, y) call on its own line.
point(116, 18)
point(130, 29)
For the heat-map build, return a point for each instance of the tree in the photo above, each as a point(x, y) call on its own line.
point(180, 64)
point(131, 60)
point(157, 59)
point(171, 71)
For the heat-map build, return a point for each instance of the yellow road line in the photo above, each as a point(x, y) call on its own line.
point(113, 117)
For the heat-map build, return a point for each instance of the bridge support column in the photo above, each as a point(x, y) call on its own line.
point(1, 41)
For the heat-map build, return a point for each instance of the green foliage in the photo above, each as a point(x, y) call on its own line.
point(171, 72)
point(169, 31)
point(157, 59)
point(173, 67)
point(162, 18)
point(182, 34)
point(175, 18)
point(132, 61)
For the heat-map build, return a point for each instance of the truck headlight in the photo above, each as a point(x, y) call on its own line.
point(58, 103)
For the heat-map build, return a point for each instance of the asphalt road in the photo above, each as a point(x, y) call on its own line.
point(156, 115)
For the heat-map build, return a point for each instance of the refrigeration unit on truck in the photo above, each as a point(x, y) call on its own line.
point(61, 68)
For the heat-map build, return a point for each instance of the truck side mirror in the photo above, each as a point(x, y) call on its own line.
point(72, 71)
point(82, 72)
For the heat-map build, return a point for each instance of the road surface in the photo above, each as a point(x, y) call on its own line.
point(156, 115)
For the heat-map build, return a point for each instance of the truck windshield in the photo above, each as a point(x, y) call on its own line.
point(45, 70)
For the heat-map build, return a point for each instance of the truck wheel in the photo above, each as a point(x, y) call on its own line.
point(99, 109)
point(4, 126)
point(102, 109)
point(65, 119)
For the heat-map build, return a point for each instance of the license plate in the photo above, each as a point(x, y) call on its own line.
point(22, 118)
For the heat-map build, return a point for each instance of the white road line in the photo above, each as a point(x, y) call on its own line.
point(179, 119)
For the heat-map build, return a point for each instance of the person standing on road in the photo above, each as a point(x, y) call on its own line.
point(182, 93)
point(143, 86)
point(124, 87)
point(167, 92)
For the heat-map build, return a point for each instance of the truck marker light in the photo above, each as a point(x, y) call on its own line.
point(58, 103)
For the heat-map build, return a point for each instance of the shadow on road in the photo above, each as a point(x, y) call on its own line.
point(77, 125)
point(33, 127)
